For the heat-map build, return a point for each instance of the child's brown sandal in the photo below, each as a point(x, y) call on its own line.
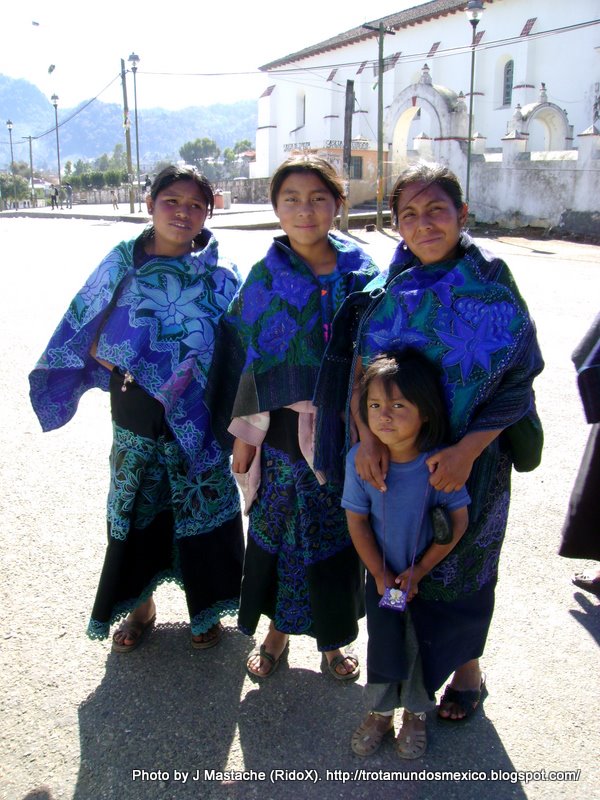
point(411, 741)
point(367, 738)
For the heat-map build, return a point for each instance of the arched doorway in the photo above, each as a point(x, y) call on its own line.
point(435, 111)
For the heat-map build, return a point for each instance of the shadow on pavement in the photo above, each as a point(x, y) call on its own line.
point(176, 714)
point(165, 709)
point(589, 616)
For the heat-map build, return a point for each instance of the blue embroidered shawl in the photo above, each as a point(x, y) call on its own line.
point(158, 321)
point(279, 323)
point(466, 315)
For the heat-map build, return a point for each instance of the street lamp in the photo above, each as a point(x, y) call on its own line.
point(33, 203)
point(9, 125)
point(474, 12)
point(54, 99)
point(134, 60)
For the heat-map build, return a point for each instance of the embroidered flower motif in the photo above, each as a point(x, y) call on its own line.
point(292, 285)
point(256, 301)
point(499, 314)
point(173, 304)
point(200, 339)
point(440, 282)
point(276, 335)
point(469, 346)
point(384, 336)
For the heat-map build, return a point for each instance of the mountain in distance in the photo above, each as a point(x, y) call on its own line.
point(94, 128)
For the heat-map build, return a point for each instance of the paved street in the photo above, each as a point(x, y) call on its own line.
point(78, 721)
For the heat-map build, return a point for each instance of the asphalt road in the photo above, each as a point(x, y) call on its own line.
point(78, 721)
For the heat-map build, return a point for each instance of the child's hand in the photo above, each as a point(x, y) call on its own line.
point(243, 453)
point(384, 580)
point(408, 583)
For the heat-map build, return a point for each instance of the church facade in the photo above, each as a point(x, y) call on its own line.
point(536, 91)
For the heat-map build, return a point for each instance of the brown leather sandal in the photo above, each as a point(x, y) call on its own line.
point(369, 735)
point(210, 638)
point(131, 630)
point(411, 741)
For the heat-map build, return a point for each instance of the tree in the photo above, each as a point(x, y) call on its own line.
point(198, 152)
point(21, 168)
point(68, 170)
point(8, 185)
point(113, 177)
point(102, 163)
point(242, 146)
point(119, 158)
point(82, 167)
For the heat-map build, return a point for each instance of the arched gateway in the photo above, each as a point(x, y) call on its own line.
point(432, 120)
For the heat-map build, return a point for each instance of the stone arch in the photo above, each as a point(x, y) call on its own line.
point(442, 123)
point(546, 126)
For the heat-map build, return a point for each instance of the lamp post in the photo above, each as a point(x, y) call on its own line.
point(474, 12)
point(381, 30)
point(54, 99)
point(33, 202)
point(134, 60)
point(9, 125)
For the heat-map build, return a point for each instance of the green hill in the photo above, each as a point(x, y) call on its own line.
point(92, 129)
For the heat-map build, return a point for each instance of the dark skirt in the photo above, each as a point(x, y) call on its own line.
point(300, 569)
point(448, 633)
point(453, 610)
point(581, 530)
point(164, 522)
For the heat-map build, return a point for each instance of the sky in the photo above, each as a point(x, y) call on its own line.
point(83, 43)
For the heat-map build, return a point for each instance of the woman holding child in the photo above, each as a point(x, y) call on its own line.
point(460, 307)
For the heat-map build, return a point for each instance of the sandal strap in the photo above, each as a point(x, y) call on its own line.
point(340, 658)
point(262, 651)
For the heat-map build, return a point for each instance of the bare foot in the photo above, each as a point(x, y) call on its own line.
point(467, 679)
point(212, 637)
point(129, 633)
point(264, 661)
point(341, 666)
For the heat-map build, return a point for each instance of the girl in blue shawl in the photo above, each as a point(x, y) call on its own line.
point(143, 328)
point(300, 567)
point(460, 307)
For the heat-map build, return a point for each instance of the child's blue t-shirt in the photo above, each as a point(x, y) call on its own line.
point(400, 509)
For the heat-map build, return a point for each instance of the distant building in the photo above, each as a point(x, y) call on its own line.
point(537, 81)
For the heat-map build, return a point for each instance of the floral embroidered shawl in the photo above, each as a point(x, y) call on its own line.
point(279, 322)
point(158, 321)
point(465, 314)
point(468, 316)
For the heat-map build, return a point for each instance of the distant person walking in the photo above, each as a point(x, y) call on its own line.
point(69, 191)
point(54, 197)
point(113, 197)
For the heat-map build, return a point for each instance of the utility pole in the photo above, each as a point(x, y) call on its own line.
point(349, 111)
point(381, 30)
point(126, 125)
point(33, 200)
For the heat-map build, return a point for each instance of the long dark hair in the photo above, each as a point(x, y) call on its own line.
point(419, 381)
point(427, 174)
point(172, 174)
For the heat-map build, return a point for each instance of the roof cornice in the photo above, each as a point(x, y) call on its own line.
point(401, 19)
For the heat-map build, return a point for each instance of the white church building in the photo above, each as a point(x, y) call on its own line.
point(535, 143)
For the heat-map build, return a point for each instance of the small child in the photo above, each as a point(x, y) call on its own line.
point(402, 403)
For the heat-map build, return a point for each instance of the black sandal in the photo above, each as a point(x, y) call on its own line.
point(274, 662)
point(468, 700)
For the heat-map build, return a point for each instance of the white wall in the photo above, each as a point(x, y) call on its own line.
point(568, 64)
